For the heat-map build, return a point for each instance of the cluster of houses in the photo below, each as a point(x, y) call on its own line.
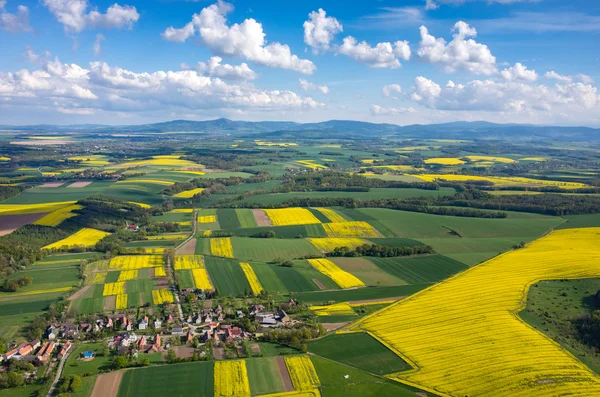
point(27, 351)
point(130, 340)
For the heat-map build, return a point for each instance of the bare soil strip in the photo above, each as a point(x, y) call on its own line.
point(334, 326)
point(255, 347)
point(107, 385)
point(218, 353)
point(188, 248)
point(110, 302)
point(319, 284)
point(184, 351)
point(80, 184)
point(395, 298)
point(261, 218)
point(10, 223)
point(52, 184)
point(285, 375)
point(151, 272)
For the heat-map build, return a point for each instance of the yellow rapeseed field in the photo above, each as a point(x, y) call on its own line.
point(41, 291)
point(154, 250)
point(499, 180)
point(189, 193)
point(121, 302)
point(140, 204)
point(182, 211)
point(300, 393)
point(160, 272)
point(125, 275)
point(221, 247)
point(350, 229)
point(291, 216)
point(331, 214)
point(133, 262)
point(161, 296)
point(464, 336)
point(328, 244)
point(231, 379)
point(183, 262)
point(207, 219)
point(99, 278)
point(491, 158)
point(207, 233)
point(201, 279)
point(533, 159)
point(252, 278)
point(153, 181)
point(55, 218)
point(337, 309)
point(394, 167)
point(302, 373)
point(113, 288)
point(168, 237)
point(18, 209)
point(312, 164)
point(334, 272)
point(4, 158)
point(85, 237)
point(444, 161)
point(156, 162)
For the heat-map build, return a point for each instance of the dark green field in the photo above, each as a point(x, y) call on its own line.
point(289, 232)
point(228, 219)
point(176, 380)
point(227, 276)
point(263, 375)
point(185, 278)
point(263, 249)
point(293, 280)
point(420, 269)
point(359, 350)
point(268, 278)
point(573, 221)
point(39, 195)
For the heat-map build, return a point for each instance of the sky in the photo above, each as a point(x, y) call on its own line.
point(402, 62)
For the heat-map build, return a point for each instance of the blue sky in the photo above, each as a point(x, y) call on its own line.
point(403, 62)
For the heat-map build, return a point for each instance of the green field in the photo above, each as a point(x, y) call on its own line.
point(245, 217)
point(100, 363)
point(228, 218)
point(45, 279)
point(268, 278)
point(176, 380)
point(227, 276)
point(39, 195)
point(185, 278)
point(359, 350)
point(290, 232)
point(173, 217)
point(262, 249)
point(573, 221)
point(368, 272)
point(420, 269)
point(263, 375)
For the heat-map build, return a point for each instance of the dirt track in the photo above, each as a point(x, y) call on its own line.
point(188, 248)
point(107, 385)
point(285, 375)
point(261, 218)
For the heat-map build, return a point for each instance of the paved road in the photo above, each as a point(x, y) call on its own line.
point(59, 372)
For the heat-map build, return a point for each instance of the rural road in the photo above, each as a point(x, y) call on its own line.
point(63, 360)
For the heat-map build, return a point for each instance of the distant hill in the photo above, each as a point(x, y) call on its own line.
point(332, 129)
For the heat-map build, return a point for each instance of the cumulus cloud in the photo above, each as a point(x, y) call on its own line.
point(320, 29)
point(383, 55)
point(377, 110)
point(73, 15)
point(460, 53)
point(14, 23)
point(390, 89)
point(519, 72)
point(72, 89)
point(214, 67)
point(506, 96)
point(245, 40)
point(307, 86)
point(584, 78)
point(98, 44)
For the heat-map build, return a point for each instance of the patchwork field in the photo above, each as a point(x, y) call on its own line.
point(512, 358)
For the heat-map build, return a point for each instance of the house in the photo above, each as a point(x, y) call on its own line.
point(109, 323)
point(87, 354)
point(133, 227)
point(177, 331)
point(65, 348)
point(189, 337)
point(157, 340)
point(197, 319)
point(169, 319)
point(142, 324)
point(14, 352)
point(239, 314)
point(157, 324)
point(45, 352)
point(188, 319)
point(35, 344)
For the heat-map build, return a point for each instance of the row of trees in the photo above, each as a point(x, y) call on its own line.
point(381, 250)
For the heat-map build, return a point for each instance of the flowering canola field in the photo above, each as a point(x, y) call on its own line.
point(444, 161)
point(183, 262)
point(207, 219)
point(464, 337)
point(117, 288)
point(302, 373)
point(334, 272)
point(127, 275)
point(160, 296)
point(291, 216)
point(331, 214)
point(337, 309)
point(85, 237)
point(189, 193)
point(134, 262)
point(328, 244)
point(231, 379)
point(160, 272)
point(499, 180)
point(350, 229)
point(121, 302)
point(55, 218)
point(221, 247)
point(257, 288)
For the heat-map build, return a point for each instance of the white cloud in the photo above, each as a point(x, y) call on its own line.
point(14, 23)
point(215, 68)
point(98, 44)
point(245, 40)
point(584, 78)
point(507, 96)
point(72, 15)
point(69, 88)
point(383, 55)
point(377, 110)
point(307, 86)
point(178, 35)
point(390, 89)
point(553, 75)
point(31, 56)
point(320, 29)
point(431, 5)
point(460, 53)
point(519, 72)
